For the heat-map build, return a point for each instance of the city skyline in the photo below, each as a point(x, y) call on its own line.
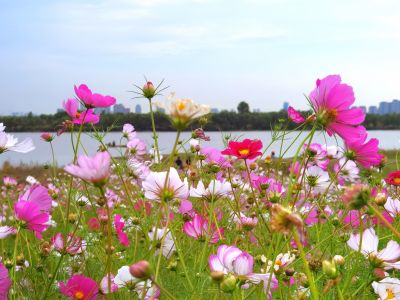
point(217, 53)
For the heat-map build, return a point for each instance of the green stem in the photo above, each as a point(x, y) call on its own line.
point(313, 288)
point(155, 137)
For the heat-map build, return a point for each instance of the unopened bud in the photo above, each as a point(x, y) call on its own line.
point(339, 260)
point(228, 285)
point(380, 199)
point(72, 218)
point(217, 275)
point(148, 90)
point(141, 269)
point(329, 268)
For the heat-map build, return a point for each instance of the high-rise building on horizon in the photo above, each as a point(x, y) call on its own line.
point(285, 106)
point(385, 108)
point(121, 109)
point(138, 109)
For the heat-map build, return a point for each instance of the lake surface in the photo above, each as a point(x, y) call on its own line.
point(389, 139)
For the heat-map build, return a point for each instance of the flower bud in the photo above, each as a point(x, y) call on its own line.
point(217, 275)
point(228, 285)
point(379, 273)
point(72, 218)
point(380, 199)
point(149, 90)
point(339, 260)
point(290, 272)
point(253, 166)
point(329, 268)
point(47, 137)
point(141, 269)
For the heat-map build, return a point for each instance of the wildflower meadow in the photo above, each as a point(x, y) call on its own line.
point(230, 223)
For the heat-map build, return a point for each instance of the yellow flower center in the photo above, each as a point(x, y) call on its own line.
point(181, 105)
point(79, 295)
point(278, 262)
point(397, 180)
point(390, 295)
point(78, 115)
point(244, 151)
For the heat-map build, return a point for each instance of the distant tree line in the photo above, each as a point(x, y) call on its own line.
point(223, 121)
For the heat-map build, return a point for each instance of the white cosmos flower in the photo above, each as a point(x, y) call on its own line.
point(214, 190)
point(2, 127)
point(393, 206)
point(317, 179)
point(124, 278)
point(168, 245)
point(10, 143)
point(387, 288)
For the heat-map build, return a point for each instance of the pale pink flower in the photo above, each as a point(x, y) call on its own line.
point(10, 143)
point(5, 231)
point(9, 181)
point(316, 155)
point(104, 284)
point(164, 236)
point(94, 169)
point(136, 148)
point(72, 245)
point(128, 131)
point(393, 206)
point(216, 189)
point(157, 188)
point(369, 248)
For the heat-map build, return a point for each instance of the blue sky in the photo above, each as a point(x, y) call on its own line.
point(217, 52)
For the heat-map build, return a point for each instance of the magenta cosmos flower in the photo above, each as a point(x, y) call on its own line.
point(93, 100)
point(5, 282)
point(95, 169)
point(364, 153)
point(119, 226)
point(295, 116)
point(79, 287)
point(331, 101)
point(32, 217)
point(199, 229)
point(87, 116)
point(247, 149)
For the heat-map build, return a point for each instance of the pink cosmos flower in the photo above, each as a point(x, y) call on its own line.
point(365, 153)
point(38, 194)
point(128, 131)
point(175, 188)
point(30, 213)
point(247, 149)
point(95, 169)
point(232, 260)
point(72, 245)
point(87, 116)
point(46, 136)
point(295, 116)
point(5, 282)
point(136, 148)
point(347, 171)
point(5, 231)
point(119, 226)
point(104, 284)
point(393, 206)
point(93, 100)
point(331, 101)
point(369, 248)
point(214, 156)
point(316, 155)
point(79, 287)
point(198, 228)
point(9, 181)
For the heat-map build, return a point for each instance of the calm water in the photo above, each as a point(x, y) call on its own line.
point(64, 153)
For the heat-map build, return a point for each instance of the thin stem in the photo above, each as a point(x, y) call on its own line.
point(155, 137)
point(313, 288)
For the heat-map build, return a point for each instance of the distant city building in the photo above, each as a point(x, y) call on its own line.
point(102, 110)
point(285, 106)
point(19, 114)
point(138, 109)
point(256, 110)
point(161, 110)
point(214, 110)
point(60, 110)
point(119, 108)
point(385, 108)
point(373, 110)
